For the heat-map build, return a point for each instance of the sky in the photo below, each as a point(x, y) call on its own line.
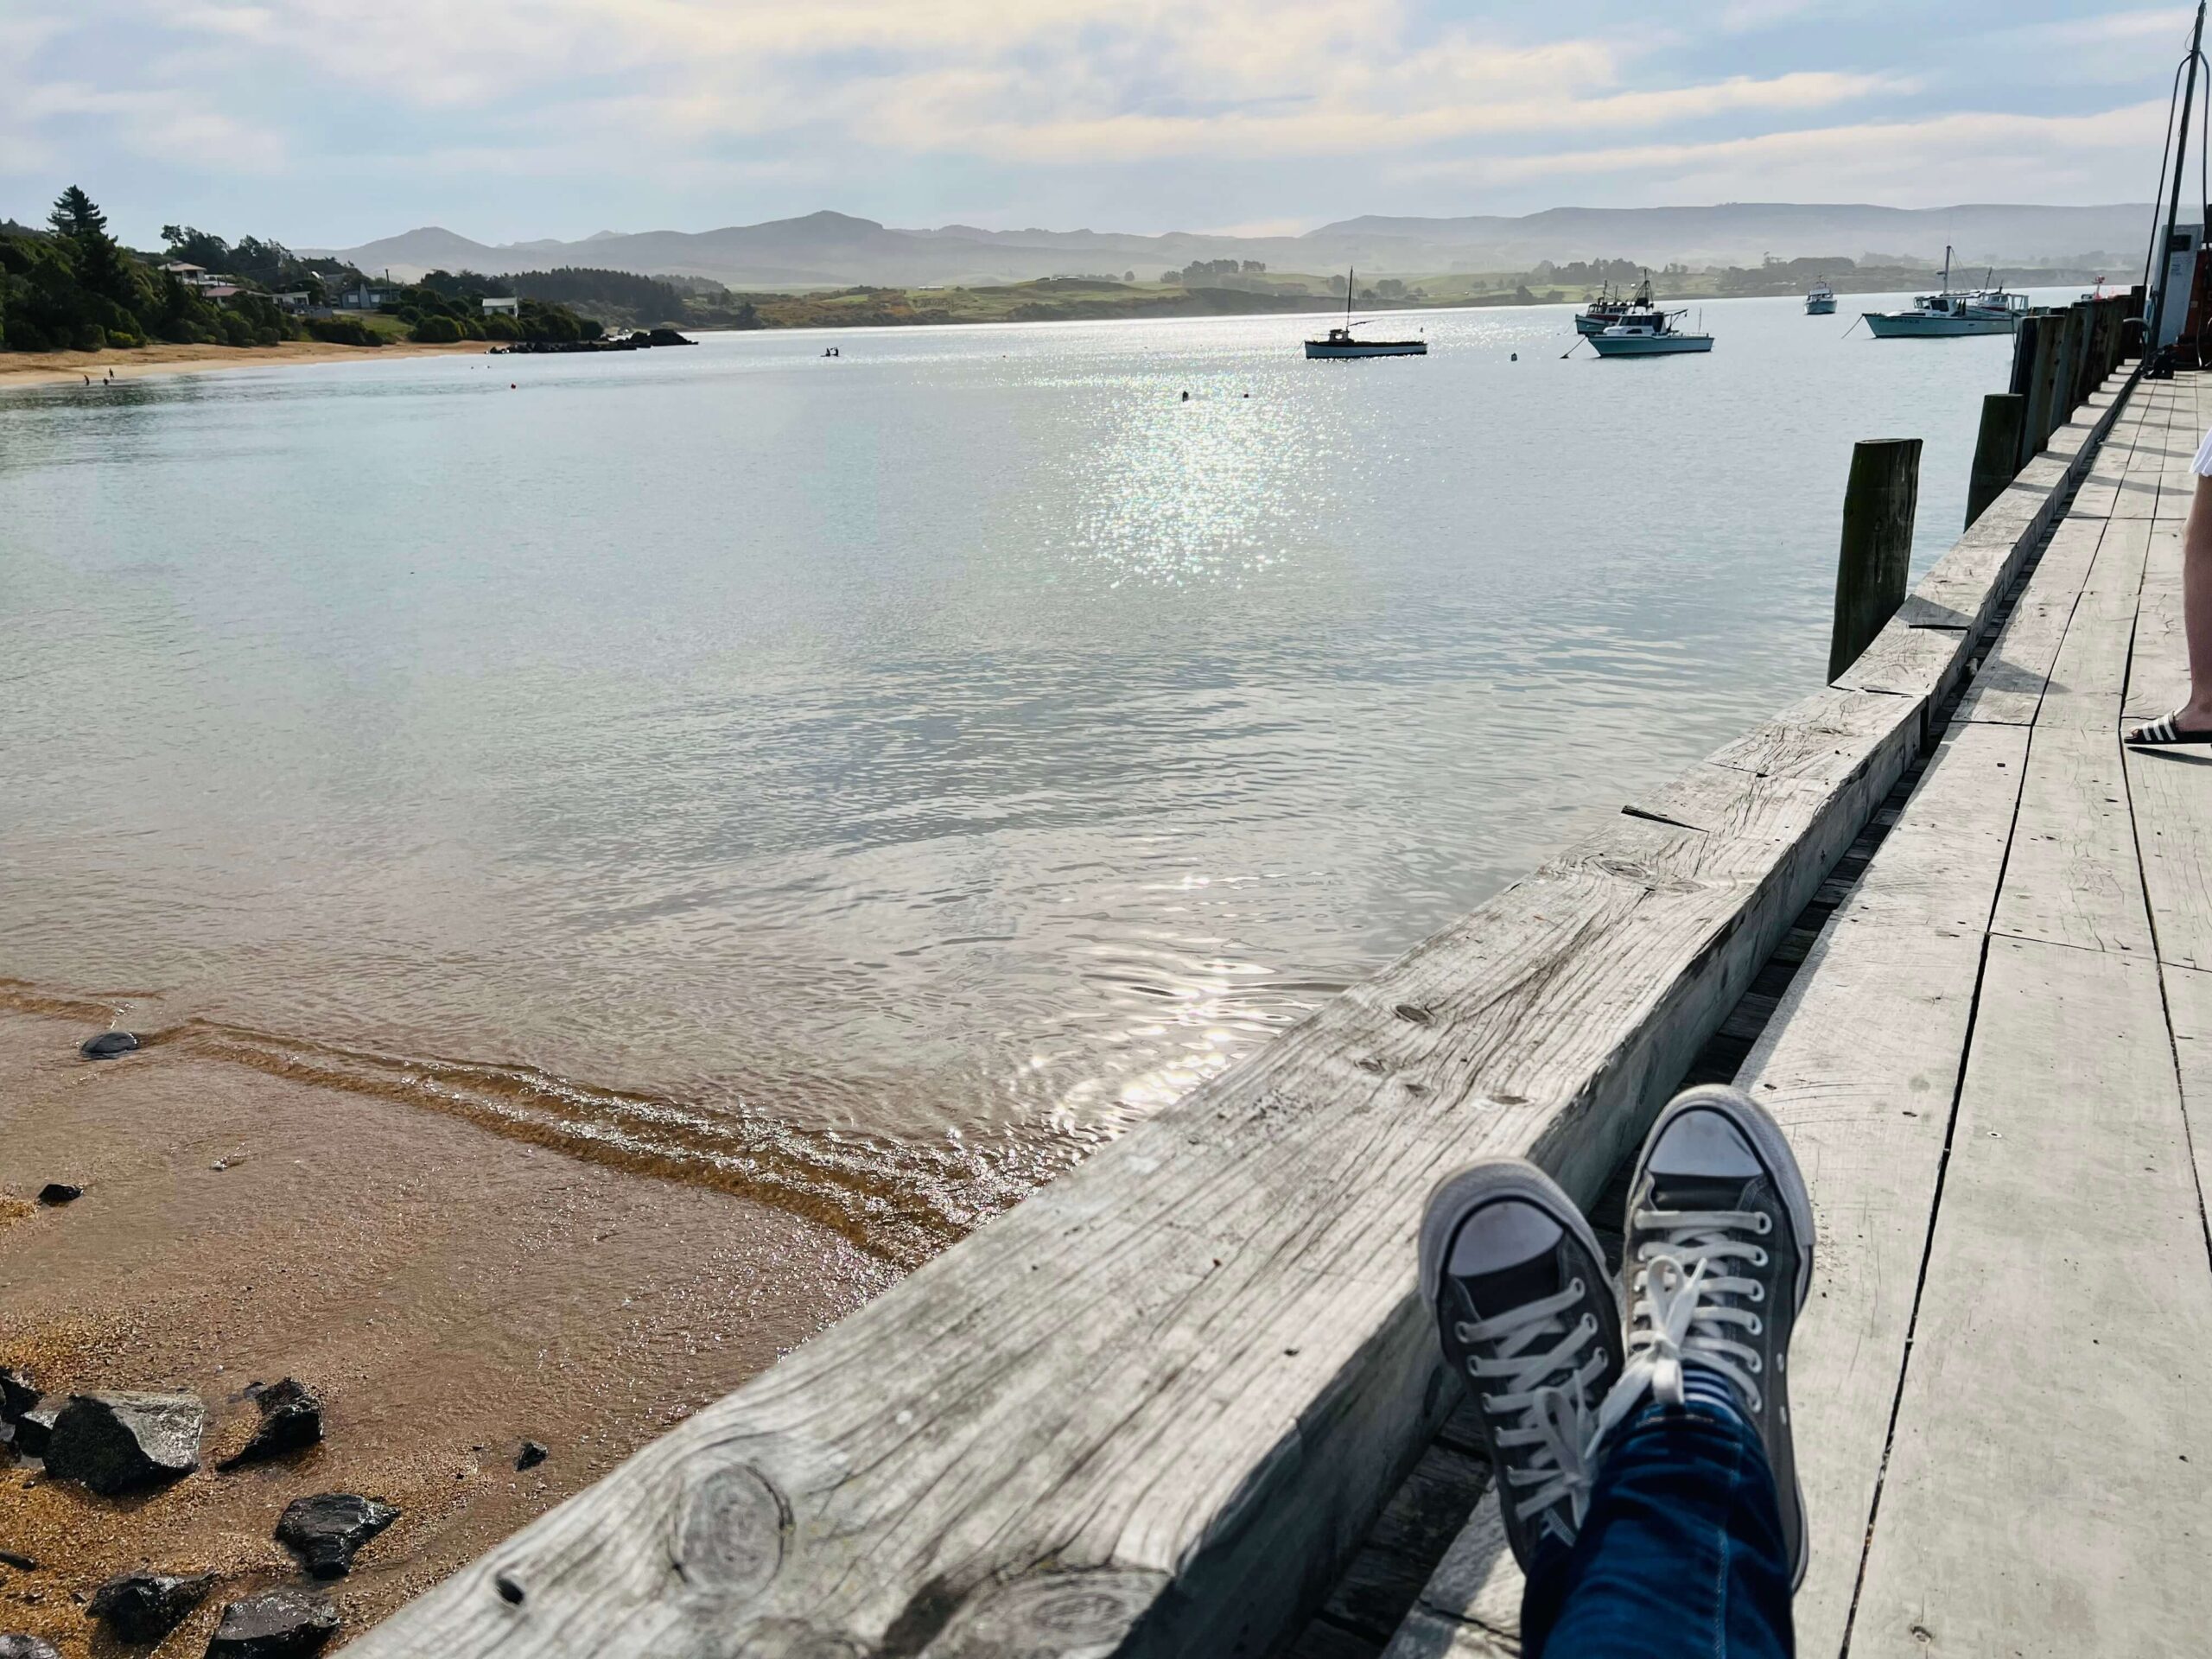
point(327, 123)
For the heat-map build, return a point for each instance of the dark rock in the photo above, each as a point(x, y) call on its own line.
point(59, 1192)
point(21, 1563)
point(108, 1044)
point(16, 1393)
point(291, 1421)
point(326, 1529)
point(27, 1647)
point(147, 1607)
point(34, 1429)
point(282, 1625)
point(115, 1442)
point(532, 1454)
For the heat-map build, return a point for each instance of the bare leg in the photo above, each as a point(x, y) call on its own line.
point(2192, 721)
point(2197, 608)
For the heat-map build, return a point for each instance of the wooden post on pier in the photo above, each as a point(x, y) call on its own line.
point(2032, 354)
point(1996, 452)
point(1879, 504)
point(2074, 365)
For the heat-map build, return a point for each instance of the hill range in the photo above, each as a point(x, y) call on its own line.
point(836, 250)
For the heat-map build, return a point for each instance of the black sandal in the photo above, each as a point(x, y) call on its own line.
point(2161, 732)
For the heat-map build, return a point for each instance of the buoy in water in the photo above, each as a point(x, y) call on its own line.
point(107, 1045)
point(1516, 357)
point(1187, 396)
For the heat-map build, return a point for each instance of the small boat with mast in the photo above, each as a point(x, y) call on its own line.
point(1986, 310)
point(1341, 342)
point(1820, 302)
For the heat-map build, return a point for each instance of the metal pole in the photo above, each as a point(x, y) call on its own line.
point(2173, 200)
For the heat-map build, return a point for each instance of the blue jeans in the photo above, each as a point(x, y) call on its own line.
point(1680, 1553)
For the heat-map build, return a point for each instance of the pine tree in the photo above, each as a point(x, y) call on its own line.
point(76, 217)
point(101, 266)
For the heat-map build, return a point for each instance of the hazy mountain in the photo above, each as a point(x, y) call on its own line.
point(835, 249)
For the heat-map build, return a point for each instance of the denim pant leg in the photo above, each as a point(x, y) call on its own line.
point(1680, 1553)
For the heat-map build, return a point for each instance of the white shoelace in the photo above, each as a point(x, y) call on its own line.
point(1553, 1418)
point(1683, 1264)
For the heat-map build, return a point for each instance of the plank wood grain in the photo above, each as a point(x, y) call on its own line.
point(2049, 1485)
point(1858, 1065)
point(2008, 686)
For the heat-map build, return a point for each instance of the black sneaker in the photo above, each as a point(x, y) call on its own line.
point(1716, 1261)
point(1530, 1325)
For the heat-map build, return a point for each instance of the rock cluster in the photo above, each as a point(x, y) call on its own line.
point(126, 1441)
point(107, 1045)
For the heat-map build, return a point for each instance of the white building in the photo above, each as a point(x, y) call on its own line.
point(496, 307)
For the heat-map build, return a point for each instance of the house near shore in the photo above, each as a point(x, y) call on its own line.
point(368, 296)
point(197, 277)
point(498, 306)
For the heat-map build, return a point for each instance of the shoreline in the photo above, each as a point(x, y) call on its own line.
point(69, 368)
point(447, 1291)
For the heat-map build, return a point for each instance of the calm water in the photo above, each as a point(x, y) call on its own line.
point(868, 781)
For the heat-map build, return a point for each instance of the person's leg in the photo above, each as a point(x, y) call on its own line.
point(1693, 1537)
point(2192, 721)
point(1682, 1555)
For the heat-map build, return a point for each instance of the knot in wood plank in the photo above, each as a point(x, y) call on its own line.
point(728, 1536)
point(1084, 1614)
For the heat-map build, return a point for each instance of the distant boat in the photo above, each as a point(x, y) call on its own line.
point(1340, 342)
point(1644, 330)
point(1988, 310)
point(1604, 309)
point(1821, 303)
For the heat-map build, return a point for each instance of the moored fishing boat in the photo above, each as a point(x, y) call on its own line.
point(1341, 342)
point(1604, 309)
point(1988, 310)
point(1820, 302)
point(1646, 330)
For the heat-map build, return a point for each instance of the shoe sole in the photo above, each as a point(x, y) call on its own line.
point(1484, 1181)
point(1756, 1126)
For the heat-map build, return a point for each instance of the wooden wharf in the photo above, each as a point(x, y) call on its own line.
point(1185, 1402)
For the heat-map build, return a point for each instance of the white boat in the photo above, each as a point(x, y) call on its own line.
point(1987, 310)
point(1341, 342)
point(1820, 302)
point(1646, 330)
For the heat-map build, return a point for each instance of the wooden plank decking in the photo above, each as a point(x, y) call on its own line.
point(1159, 1406)
point(1996, 1070)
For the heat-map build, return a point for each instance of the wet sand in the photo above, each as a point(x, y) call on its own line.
point(70, 368)
point(448, 1291)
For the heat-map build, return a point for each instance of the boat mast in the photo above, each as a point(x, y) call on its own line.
point(1351, 281)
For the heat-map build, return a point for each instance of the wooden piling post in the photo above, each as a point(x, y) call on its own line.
point(2031, 379)
point(1879, 504)
point(2072, 366)
point(1996, 452)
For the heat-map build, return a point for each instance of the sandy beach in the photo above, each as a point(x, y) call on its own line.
point(447, 1291)
point(70, 368)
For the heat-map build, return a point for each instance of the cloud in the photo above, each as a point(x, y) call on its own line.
point(1948, 158)
point(1027, 110)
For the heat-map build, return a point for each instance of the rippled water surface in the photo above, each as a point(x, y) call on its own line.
point(873, 778)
